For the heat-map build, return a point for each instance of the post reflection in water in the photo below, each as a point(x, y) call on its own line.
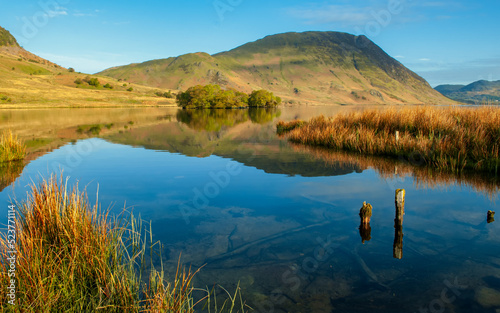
point(365, 230)
point(398, 224)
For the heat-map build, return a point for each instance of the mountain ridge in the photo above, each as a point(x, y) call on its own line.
point(481, 91)
point(314, 67)
point(27, 80)
point(6, 38)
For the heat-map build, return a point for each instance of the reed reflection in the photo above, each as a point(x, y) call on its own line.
point(423, 177)
point(9, 172)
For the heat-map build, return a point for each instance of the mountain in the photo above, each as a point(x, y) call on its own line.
point(6, 39)
point(482, 91)
point(27, 80)
point(10, 47)
point(312, 67)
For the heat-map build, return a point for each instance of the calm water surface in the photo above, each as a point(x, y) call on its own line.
point(282, 220)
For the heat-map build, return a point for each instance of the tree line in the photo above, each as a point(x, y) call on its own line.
point(214, 97)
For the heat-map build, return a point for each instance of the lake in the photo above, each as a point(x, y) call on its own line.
point(221, 189)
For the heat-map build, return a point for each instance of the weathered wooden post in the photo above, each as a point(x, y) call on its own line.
point(365, 213)
point(396, 167)
point(491, 217)
point(365, 230)
point(398, 224)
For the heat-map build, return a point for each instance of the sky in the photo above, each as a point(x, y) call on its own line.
point(446, 42)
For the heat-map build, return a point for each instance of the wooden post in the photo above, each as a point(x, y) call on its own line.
point(397, 135)
point(491, 217)
point(398, 224)
point(400, 204)
point(365, 213)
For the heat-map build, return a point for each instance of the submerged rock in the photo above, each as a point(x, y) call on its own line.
point(488, 297)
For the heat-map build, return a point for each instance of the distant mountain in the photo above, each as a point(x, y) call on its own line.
point(482, 91)
point(310, 67)
point(447, 89)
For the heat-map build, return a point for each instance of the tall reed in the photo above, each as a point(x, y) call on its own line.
point(449, 138)
point(74, 257)
point(11, 148)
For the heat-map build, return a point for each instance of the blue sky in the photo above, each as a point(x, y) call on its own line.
point(443, 41)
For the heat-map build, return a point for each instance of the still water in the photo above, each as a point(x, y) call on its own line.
point(222, 190)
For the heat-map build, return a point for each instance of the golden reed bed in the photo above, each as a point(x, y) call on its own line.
point(448, 138)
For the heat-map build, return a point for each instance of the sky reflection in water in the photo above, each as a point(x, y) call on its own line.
point(283, 220)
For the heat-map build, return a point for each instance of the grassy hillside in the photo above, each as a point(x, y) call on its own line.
point(27, 80)
point(312, 67)
point(6, 39)
point(482, 91)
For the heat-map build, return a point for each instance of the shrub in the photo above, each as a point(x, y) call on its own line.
point(263, 98)
point(168, 94)
point(212, 96)
point(130, 89)
point(94, 82)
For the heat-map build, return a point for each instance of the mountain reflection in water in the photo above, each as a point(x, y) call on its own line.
point(287, 226)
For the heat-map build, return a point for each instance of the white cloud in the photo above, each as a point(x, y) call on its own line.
point(433, 4)
point(96, 62)
point(345, 14)
point(424, 60)
point(86, 14)
point(58, 12)
point(361, 13)
point(463, 72)
point(121, 23)
point(83, 14)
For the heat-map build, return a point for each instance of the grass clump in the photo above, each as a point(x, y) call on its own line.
point(70, 255)
point(74, 257)
point(11, 148)
point(285, 127)
point(450, 138)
